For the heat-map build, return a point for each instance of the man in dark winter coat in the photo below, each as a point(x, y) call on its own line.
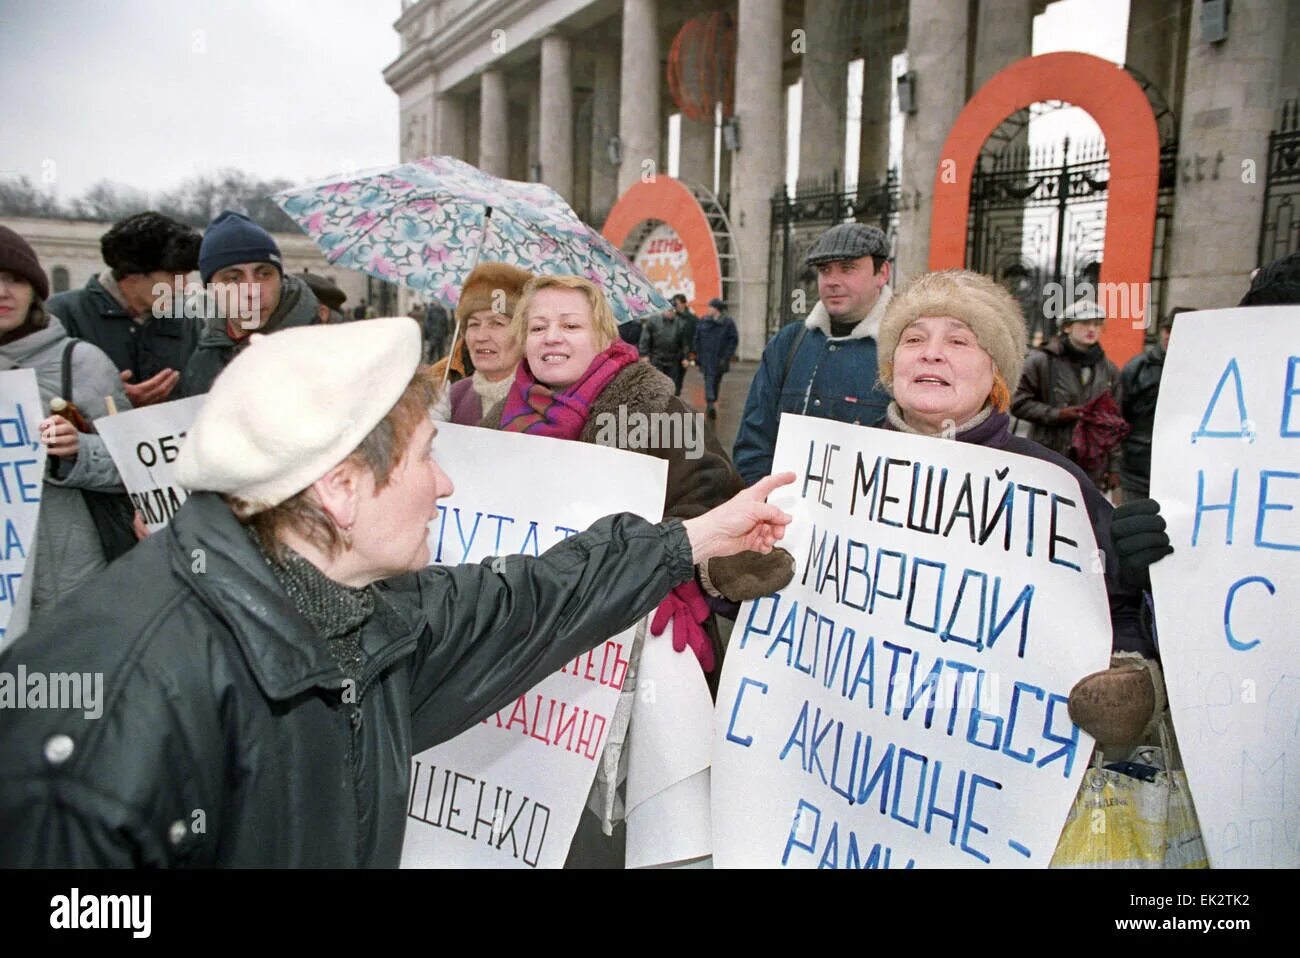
point(681, 306)
point(1061, 377)
point(240, 264)
point(1139, 390)
point(271, 661)
point(120, 311)
point(715, 345)
point(665, 346)
point(824, 366)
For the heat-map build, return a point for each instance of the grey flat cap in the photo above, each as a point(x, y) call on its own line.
point(848, 241)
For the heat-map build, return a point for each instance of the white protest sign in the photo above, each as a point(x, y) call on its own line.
point(668, 753)
point(508, 793)
point(22, 468)
point(904, 700)
point(1225, 469)
point(144, 444)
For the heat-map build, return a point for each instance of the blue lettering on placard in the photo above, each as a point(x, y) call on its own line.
point(976, 780)
point(1230, 507)
point(1243, 430)
point(1012, 713)
point(1227, 610)
point(1288, 395)
point(745, 682)
point(13, 542)
point(1265, 507)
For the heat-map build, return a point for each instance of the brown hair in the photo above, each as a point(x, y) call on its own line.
point(380, 452)
point(603, 326)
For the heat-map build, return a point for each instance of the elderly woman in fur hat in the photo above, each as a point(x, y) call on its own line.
point(580, 381)
point(951, 346)
point(280, 651)
point(487, 304)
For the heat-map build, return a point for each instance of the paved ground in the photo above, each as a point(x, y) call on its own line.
point(731, 398)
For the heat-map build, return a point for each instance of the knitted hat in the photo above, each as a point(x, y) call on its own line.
point(295, 404)
point(481, 285)
point(18, 257)
point(233, 238)
point(717, 304)
point(1277, 284)
point(979, 302)
point(848, 241)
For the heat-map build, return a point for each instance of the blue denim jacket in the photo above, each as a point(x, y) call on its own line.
point(830, 378)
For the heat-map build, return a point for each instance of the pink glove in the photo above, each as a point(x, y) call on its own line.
point(687, 609)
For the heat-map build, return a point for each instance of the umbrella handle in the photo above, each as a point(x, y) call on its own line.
point(455, 336)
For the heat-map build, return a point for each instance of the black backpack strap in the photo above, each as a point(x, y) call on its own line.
point(789, 358)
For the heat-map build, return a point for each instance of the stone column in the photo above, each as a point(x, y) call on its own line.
point(556, 132)
point(695, 158)
point(449, 130)
point(494, 123)
point(824, 72)
point(757, 167)
point(873, 137)
point(936, 44)
point(1229, 107)
point(1003, 34)
point(604, 126)
point(640, 79)
point(534, 134)
point(580, 144)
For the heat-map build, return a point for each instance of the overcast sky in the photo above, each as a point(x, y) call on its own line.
point(148, 92)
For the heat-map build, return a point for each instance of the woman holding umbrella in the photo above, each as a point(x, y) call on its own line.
point(483, 314)
point(267, 674)
point(578, 381)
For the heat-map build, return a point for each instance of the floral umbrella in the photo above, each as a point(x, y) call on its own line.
point(427, 223)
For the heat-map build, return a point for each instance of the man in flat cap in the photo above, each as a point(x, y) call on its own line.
point(329, 298)
point(826, 365)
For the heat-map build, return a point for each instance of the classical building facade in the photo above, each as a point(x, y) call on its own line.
point(575, 93)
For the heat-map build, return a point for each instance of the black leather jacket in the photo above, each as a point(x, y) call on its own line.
point(228, 736)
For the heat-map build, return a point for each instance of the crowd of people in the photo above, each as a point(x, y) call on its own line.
point(285, 687)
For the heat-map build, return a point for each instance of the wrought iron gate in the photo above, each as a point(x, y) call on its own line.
point(797, 222)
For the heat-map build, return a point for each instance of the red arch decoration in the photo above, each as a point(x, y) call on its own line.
point(1119, 106)
point(667, 200)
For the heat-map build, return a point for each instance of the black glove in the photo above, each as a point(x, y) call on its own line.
point(1137, 530)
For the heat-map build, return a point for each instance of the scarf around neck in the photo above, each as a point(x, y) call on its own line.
point(539, 410)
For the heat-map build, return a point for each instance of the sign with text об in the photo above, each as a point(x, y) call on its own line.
point(22, 467)
point(144, 444)
point(1226, 472)
point(903, 701)
point(508, 793)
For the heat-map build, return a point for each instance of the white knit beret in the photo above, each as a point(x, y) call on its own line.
point(293, 405)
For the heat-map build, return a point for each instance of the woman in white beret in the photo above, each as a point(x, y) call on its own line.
point(272, 660)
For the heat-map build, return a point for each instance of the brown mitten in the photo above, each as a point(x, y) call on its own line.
point(747, 575)
point(1116, 706)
